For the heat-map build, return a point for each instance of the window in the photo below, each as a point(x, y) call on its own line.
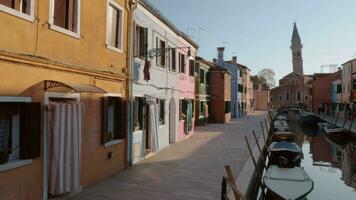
point(162, 113)
point(338, 88)
point(114, 26)
point(162, 57)
point(354, 84)
point(138, 113)
point(181, 63)
point(20, 8)
point(20, 131)
point(202, 76)
point(280, 97)
point(141, 38)
point(113, 119)
point(298, 96)
point(65, 16)
point(240, 88)
point(287, 96)
point(306, 98)
point(207, 78)
point(191, 67)
point(227, 106)
point(173, 60)
point(201, 108)
point(240, 72)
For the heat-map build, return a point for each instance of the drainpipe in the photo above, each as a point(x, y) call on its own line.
point(129, 60)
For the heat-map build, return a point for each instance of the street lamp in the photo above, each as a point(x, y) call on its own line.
point(161, 51)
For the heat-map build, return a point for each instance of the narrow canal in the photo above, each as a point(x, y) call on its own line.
point(330, 161)
point(331, 166)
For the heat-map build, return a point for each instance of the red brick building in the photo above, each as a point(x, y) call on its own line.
point(322, 90)
point(220, 93)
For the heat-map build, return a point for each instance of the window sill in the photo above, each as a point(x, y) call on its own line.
point(108, 46)
point(16, 13)
point(112, 142)
point(64, 31)
point(12, 164)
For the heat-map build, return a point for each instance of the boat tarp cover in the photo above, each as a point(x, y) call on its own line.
point(285, 146)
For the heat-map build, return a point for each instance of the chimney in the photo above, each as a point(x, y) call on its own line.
point(221, 53)
point(214, 60)
point(234, 60)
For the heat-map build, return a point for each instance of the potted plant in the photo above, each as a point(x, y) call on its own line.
point(4, 155)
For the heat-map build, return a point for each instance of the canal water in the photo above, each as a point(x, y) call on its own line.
point(330, 161)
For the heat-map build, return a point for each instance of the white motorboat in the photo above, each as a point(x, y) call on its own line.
point(288, 183)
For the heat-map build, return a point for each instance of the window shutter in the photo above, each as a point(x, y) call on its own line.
point(122, 118)
point(104, 119)
point(143, 39)
point(30, 130)
point(157, 48)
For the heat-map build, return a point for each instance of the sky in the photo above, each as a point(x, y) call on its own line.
point(258, 32)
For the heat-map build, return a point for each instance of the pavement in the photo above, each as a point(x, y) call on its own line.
point(191, 169)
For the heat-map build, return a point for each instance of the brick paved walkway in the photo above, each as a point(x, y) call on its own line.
point(192, 169)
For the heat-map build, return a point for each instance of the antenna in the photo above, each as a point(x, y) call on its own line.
point(225, 42)
point(199, 31)
point(190, 29)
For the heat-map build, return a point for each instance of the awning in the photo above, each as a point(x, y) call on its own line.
point(82, 88)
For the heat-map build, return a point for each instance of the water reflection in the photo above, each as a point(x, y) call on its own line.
point(329, 159)
point(331, 163)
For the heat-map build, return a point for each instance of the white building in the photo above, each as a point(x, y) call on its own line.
point(155, 94)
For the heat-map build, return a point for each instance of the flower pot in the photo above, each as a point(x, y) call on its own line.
point(4, 157)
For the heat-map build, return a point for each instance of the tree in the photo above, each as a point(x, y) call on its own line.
point(269, 75)
point(257, 80)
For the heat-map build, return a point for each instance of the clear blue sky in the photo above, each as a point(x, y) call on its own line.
point(259, 31)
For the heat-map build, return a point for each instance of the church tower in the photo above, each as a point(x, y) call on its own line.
point(296, 48)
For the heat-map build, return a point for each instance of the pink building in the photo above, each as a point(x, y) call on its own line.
point(186, 87)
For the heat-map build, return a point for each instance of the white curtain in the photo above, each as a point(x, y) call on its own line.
point(65, 142)
point(154, 126)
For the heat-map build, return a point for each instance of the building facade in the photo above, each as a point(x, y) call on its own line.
point(64, 97)
point(162, 83)
point(261, 98)
point(247, 90)
point(348, 79)
point(322, 91)
point(336, 95)
point(220, 94)
point(202, 90)
point(236, 82)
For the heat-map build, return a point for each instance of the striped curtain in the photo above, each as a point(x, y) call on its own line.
point(65, 139)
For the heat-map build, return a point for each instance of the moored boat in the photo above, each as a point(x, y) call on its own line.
point(329, 128)
point(288, 183)
point(285, 154)
point(280, 136)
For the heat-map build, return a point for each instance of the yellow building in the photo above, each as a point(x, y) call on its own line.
point(63, 66)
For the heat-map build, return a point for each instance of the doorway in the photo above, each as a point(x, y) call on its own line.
point(148, 135)
point(62, 144)
point(172, 121)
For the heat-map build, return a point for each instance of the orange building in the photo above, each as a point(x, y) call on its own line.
point(62, 96)
point(261, 98)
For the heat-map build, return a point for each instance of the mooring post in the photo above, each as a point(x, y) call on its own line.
point(259, 148)
point(263, 131)
point(267, 128)
point(255, 164)
point(223, 189)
